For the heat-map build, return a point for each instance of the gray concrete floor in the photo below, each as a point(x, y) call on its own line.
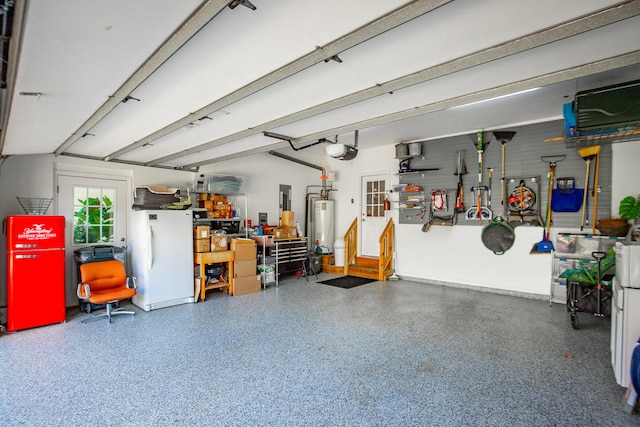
point(382, 354)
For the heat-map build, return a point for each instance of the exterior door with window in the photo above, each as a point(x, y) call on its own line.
point(374, 217)
point(95, 211)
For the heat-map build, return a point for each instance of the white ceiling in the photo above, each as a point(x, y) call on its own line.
point(206, 80)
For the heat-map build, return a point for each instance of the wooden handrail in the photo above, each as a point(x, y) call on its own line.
point(386, 250)
point(350, 245)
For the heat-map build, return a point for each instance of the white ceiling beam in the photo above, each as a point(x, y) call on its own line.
point(576, 72)
point(559, 32)
point(208, 10)
point(392, 20)
point(12, 63)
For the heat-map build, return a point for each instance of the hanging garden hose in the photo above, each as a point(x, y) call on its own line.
point(521, 198)
point(439, 200)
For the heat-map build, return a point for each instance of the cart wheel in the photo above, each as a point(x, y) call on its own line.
point(87, 307)
point(575, 324)
point(426, 226)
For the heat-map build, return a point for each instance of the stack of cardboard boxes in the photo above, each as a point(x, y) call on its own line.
point(288, 229)
point(245, 277)
point(217, 205)
point(203, 241)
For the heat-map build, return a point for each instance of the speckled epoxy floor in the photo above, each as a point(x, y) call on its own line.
point(383, 354)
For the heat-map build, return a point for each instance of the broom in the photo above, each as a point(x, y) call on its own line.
point(588, 153)
point(545, 245)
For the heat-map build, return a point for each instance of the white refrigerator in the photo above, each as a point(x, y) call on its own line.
point(162, 257)
point(625, 310)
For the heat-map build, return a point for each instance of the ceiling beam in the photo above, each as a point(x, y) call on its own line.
point(392, 20)
point(199, 18)
point(575, 72)
point(12, 64)
point(549, 35)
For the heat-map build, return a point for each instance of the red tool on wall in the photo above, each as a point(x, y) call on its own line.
point(461, 169)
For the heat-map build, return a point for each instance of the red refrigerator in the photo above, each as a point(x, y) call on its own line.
point(35, 271)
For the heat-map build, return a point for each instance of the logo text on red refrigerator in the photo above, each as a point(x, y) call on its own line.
point(37, 232)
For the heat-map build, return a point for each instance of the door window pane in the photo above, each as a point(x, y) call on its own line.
point(375, 198)
point(93, 210)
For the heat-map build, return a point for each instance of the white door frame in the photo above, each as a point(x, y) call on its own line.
point(124, 176)
point(379, 223)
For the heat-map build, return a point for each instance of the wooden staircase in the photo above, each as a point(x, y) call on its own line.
point(380, 268)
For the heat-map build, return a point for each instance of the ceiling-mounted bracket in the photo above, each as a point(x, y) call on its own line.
point(288, 139)
point(129, 98)
point(245, 3)
point(333, 58)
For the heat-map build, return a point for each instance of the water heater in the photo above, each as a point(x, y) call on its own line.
point(324, 232)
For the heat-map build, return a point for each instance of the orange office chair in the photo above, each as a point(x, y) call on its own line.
point(106, 282)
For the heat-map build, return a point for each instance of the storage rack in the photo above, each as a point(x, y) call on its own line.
point(412, 206)
point(286, 254)
point(242, 230)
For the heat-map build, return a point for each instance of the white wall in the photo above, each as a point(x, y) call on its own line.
point(453, 255)
point(263, 174)
point(33, 176)
point(456, 255)
point(625, 178)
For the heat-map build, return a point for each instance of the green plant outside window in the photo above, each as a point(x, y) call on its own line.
point(93, 220)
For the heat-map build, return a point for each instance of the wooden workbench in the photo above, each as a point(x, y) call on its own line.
point(203, 258)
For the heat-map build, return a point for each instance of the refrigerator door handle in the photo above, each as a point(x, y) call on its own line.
point(150, 242)
point(618, 293)
point(26, 256)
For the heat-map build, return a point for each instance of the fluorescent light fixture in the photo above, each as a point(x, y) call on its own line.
point(494, 98)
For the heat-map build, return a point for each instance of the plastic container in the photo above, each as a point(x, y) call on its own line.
point(402, 150)
point(415, 149)
point(338, 254)
point(315, 264)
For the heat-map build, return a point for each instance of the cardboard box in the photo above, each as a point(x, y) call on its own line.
point(201, 245)
point(263, 240)
point(206, 204)
point(244, 251)
point(218, 198)
point(244, 268)
point(203, 196)
point(246, 285)
point(218, 243)
point(241, 241)
point(285, 232)
point(288, 219)
point(269, 229)
point(201, 232)
point(267, 273)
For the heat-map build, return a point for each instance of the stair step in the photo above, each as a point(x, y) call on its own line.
point(367, 271)
point(367, 261)
point(332, 269)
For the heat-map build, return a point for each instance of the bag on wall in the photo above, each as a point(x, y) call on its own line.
point(566, 198)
